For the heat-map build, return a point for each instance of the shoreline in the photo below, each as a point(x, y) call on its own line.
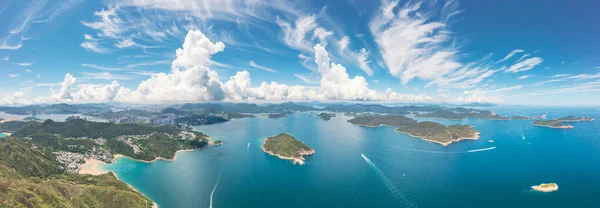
point(299, 160)
point(5, 133)
point(474, 137)
point(94, 167)
point(541, 188)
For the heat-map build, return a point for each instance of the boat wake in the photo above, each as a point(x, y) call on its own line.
point(484, 149)
point(388, 183)
point(248, 148)
point(215, 188)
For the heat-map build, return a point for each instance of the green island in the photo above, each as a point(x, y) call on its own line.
point(43, 164)
point(438, 133)
point(546, 187)
point(574, 119)
point(287, 147)
point(375, 120)
point(326, 116)
point(556, 124)
point(276, 115)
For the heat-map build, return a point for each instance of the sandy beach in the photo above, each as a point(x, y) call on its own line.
point(93, 167)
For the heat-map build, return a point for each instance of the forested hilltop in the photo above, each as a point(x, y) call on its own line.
point(39, 161)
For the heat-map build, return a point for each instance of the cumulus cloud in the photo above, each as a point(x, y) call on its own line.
point(343, 43)
point(16, 98)
point(191, 79)
point(525, 65)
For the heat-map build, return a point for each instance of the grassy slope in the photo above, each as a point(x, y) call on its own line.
point(30, 177)
point(285, 145)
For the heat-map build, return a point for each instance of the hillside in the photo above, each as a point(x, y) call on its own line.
point(439, 133)
point(287, 147)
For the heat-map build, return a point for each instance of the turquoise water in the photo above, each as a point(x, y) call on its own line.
point(403, 171)
point(2, 135)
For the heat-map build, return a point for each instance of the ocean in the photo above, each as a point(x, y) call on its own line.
point(377, 167)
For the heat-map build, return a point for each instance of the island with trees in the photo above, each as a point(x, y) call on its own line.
point(287, 147)
point(326, 116)
point(546, 187)
point(574, 119)
point(555, 124)
point(377, 120)
point(438, 133)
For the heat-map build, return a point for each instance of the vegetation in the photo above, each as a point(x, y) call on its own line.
point(375, 120)
point(200, 120)
point(286, 146)
point(111, 115)
point(326, 116)
point(462, 113)
point(137, 141)
point(30, 177)
point(574, 119)
point(12, 126)
point(276, 115)
point(439, 133)
point(551, 124)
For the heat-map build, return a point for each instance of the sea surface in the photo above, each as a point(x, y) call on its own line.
point(2, 135)
point(378, 167)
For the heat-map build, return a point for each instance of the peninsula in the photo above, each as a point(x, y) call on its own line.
point(376, 120)
point(287, 147)
point(546, 187)
point(574, 119)
point(438, 133)
point(555, 124)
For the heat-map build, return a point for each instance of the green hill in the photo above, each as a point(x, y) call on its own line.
point(439, 133)
point(375, 120)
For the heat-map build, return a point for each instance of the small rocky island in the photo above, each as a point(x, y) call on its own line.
point(326, 116)
point(375, 120)
point(574, 119)
point(555, 124)
point(546, 187)
point(438, 133)
point(276, 115)
point(287, 147)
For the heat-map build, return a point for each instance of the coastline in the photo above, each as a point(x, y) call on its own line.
point(5, 133)
point(299, 160)
point(541, 188)
point(94, 167)
point(474, 137)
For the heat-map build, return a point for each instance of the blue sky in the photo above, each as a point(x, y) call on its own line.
point(151, 51)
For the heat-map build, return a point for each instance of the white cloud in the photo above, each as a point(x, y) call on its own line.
point(93, 47)
point(105, 76)
point(28, 70)
point(13, 75)
point(125, 43)
point(414, 45)
point(109, 24)
point(305, 79)
point(197, 50)
point(524, 77)
point(261, 67)
point(511, 54)
point(93, 93)
point(525, 65)
point(294, 35)
point(523, 57)
point(343, 43)
point(65, 89)
point(363, 61)
point(25, 64)
point(6, 58)
point(94, 66)
point(560, 75)
point(16, 98)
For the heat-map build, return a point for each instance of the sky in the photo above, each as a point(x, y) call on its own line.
point(530, 52)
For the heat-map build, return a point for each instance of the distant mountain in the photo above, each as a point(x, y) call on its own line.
point(54, 109)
